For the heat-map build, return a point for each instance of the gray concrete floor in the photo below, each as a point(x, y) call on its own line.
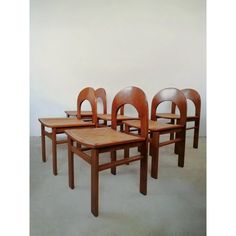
point(175, 203)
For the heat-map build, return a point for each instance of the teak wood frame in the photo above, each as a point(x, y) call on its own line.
point(87, 115)
point(99, 93)
point(60, 127)
point(195, 97)
point(132, 96)
point(176, 97)
point(157, 129)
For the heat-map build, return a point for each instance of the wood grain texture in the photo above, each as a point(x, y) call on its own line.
point(108, 139)
point(154, 126)
point(63, 122)
point(101, 137)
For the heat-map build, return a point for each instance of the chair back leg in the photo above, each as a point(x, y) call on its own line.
point(143, 169)
point(196, 134)
point(94, 182)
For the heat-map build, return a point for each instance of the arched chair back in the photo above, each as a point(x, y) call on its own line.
point(136, 97)
point(194, 96)
point(173, 95)
point(87, 94)
point(101, 93)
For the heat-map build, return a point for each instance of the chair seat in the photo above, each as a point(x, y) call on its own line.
point(153, 125)
point(83, 113)
point(167, 115)
point(101, 137)
point(107, 117)
point(174, 116)
point(64, 122)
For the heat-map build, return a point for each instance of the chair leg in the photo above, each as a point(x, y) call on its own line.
point(70, 164)
point(54, 151)
point(181, 149)
point(43, 143)
point(155, 155)
point(94, 182)
point(139, 147)
point(176, 150)
point(126, 149)
point(172, 134)
point(126, 154)
point(196, 134)
point(143, 169)
point(150, 145)
point(113, 159)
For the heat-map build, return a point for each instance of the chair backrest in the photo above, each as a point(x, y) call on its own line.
point(89, 95)
point(173, 95)
point(101, 93)
point(135, 97)
point(194, 96)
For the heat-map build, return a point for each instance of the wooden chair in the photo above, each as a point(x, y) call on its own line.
point(59, 125)
point(108, 117)
point(104, 117)
point(157, 129)
point(194, 96)
point(109, 139)
point(99, 93)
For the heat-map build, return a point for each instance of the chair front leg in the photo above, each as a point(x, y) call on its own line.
point(43, 143)
point(70, 164)
point(143, 169)
point(94, 182)
point(154, 143)
point(54, 151)
point(181, 149)
point(113, 159)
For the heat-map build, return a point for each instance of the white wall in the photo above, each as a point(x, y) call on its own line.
point(152, 44)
